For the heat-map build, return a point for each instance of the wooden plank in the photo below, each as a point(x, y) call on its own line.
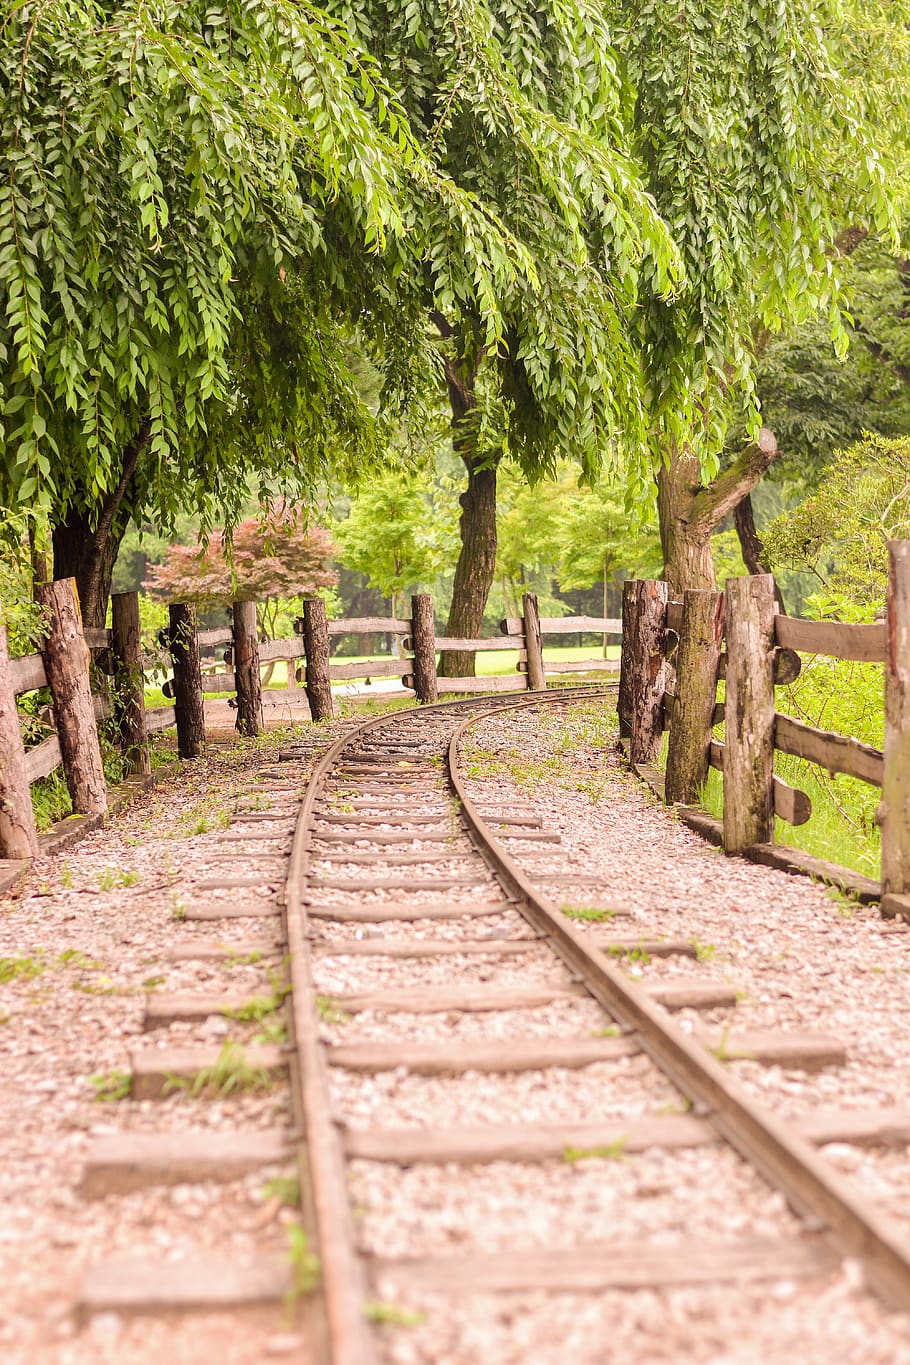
point(124, 1162)
point(790, 803)
point(896, 907)
point(359, 858)
point(836, 753)
point(893, 813)
point(154, 1071)
point(437, 1000)
point(537, 1142)
point(691, 995)
point(839, 639)
point(749, 700)
point(202, 1283)
point(383, 837)
point(369, 625)
point(66, 662)
point(159, 718)
point(215, 950)
point(495, 1056)
point(390, 883)
point(646, 670)
point(285, 696)
point(794, 860)
point(596, 665)
point(43, 759)
point(383, 912)
point(506, 683)
point(316, 646)
point(223, 635)
point(858, 1127)
point(232, 910)
point(426, 947)
point(772, 1047)
point(628, 1266)
point(237, 883)
point(512, 642)
point(700, 636)
point(372, 668)
point(27, 673)
point(675, 615)
point(566, 625)
point(97, 638)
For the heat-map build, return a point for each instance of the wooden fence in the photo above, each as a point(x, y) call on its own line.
point(224, 661)
point(675, 652)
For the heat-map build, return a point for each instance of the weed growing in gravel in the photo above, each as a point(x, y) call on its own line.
point(111, 878)
point(152, 983)
point(72, 957)
point(392, 1314)
point(178, 909)
point(204, 824)
point(21, 968)
point(611, 1031)
point(612, 1151)
point(284, 1188)
point(231, 1072)
point(588, 914)
point(260, 1006)
point(111, 1086)
point(241, 959)
point(704, 952)
point(639, 954)
point(305, 1265)
point(329, 1012)
point(65, 877)
point(273, 1032)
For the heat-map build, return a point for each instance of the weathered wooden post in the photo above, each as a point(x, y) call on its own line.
point(246, 669)
point(188, 703)
point(129, 682)
point(17, 820)
point(700, 639)
point(648, 670)
point(626, 663)
point(894, 809)
point(316, 645)
point(423, 643)
point(66, 663)
point(537, 680)
point(749, 707)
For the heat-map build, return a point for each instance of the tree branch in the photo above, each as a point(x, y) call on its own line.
point(112, 502)
point(718, 499)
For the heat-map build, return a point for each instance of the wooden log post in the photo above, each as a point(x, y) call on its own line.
point(749, 713)
point(129, 681)
point(423, 641)
point(648, 670)
point(894, 810)
point(66, 663)
point(316, 645)
point(246, 669)
point(537, 680)
point(698, 654)
point(626, 663)
point(183, 635)
point(17, 820)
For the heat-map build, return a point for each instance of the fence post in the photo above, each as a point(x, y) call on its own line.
point(17, 820)
point(647, 669)
point(537, 680)
point(129, 683)
point(894, 811)
point(316, 645)
point(66, 663)
point(246, 669)
point(188, 704)
point(624, 696)
point(749, 707)
point(700, 638)
point(423, 643)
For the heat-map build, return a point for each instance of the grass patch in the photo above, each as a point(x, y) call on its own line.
point(587, 914)
point(21, 968)
point(329, 1012)
point(284, 1188)
point(112, 878)
point(305, 1267)
point(232, 1073)
point(392, 1314)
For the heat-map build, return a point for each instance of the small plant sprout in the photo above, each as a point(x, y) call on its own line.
point(328, 1011)
point(611, 1151)
point(112, 878)
point(586, 914)
point(226, 1076)
point(21, 968)
point(704, 952)
point(284, 1188)
point(392, 1314)
point(111, 1086)
point(305, 1265)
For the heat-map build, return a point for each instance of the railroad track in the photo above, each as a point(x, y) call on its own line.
point(413, 914)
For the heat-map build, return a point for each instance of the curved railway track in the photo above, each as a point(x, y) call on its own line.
point(393, 866)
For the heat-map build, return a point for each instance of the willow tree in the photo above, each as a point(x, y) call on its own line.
point(766, 127)
point(525, 108)
point(194, 196)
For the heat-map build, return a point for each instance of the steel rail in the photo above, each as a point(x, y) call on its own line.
point(343, 1280)
point(784, 1159)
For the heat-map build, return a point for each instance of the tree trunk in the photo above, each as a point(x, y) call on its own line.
point(17, 821)
point(751, 545)
point(689, 511)
point(66, 663)
point(86, 544)
point(475, 569)
point(688, 562)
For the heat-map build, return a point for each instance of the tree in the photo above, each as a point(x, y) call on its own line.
point(398, 533)
point(766, 128)
point(195, 197)
point(266, 559)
